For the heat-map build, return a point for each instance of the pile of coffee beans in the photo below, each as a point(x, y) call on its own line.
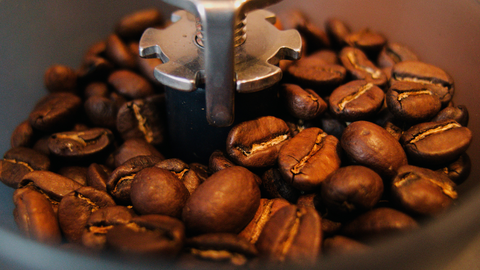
point(367, 143)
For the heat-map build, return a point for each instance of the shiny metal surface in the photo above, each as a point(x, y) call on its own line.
point(216, 61)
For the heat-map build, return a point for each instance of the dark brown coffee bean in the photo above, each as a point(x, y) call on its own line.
point(130, 84)
point(222, 247)
point(60, 78)
point(102, 111)
point(119, 53)
point(135, 147)
point(412, 102)
point(98, 89)
point(338, 32)
point(308, 158)
point(307, 200)
point(121, 178)
point(143, 118)
point(134, 24)
point(302, 103)
point(328, 56)
point(23, 135)
point(149, 235)
point(331, 125)
point(379, 221)
point(372, 146)
point(356, 100)
point(94, 67)
point(158, 191)
point(202, 171)
point(218, 161)
point(55, 112)
point(226, 202)
point(264, 212)
point(351, 189)
point(418, 72)
point(75, 209)
point(101, 221)
point(76, 173)
point(394, 53)
point(459, 170)
point(317, 75)
point(273, 186)
point(19, 161)
point(360, 68)
point(81, 145)
point(422, 191)
point(433, 143)
point(292, 235)
point(97, 176)
point(182, 171)
point(343, 245)
point(458, 113)
point(367, 40)
point(256, 143)
point(35, 216)
point(394, 130)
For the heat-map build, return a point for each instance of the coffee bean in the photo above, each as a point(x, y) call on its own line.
point(419, 72)
point(317, 76)
point(119, 53)
point(343, 245)
point(133, 25)
point(394, 130)
point(23, 135)
point(101, 111)
point(360, 68)
point(356, 100)
point(256, 143)
point(60, 78)
point(218, 161)
point(158, 191)
point(433, 143)
point(367, 40)
point(148, 235)
point(99, 89)
point(101, 221)
point(76, 207)
point(372, 146)
point(130, 84)
point(19, 161)
point(422, 191)
point(302, 103)
point(351, 189)
point(273, 186)
point(291, 235)
point(331, 125)
point(55, 112)
point(76, 173)
point(94, 67)
point(135, 147)
point(308, 158)
point(97, 176)
point(338, 32)
point(459, 170)
point(394, 53)
point(327, 55)
point(225, 202)
point(458, 113)
point(182, 171)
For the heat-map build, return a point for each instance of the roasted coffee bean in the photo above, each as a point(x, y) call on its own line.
point(331, 125)
point(202, 171)
point(19, 161)
point(302, 103)
point(412, 102)
point(372, 146)
point(119, 53)
point(421, 191)
point(458, 113)
point(351, 189)
point(292, 235)
point(143, 118)
point(256, 143)
point(96, 89)
point(23, 135)
point(433, 143)
point(121, 178)
point(394, 53)
point(367, 40)
point(264, 212)
point(360, 68)
point(328, 56)
point(158, 191)
point(338, 32)
point(133, 25)
point(133, 148)
point(343, 245)
point(60, 78)
point(35, 216)
point(317, 76)
point(75, 209)
point(55, 112)
point(308, 158)
point(94, 67)
point(81, 145)
point(419, 72)
point(307, 200)
point(218, 161)
point(225, 202)
point(182, 171)
point(221, 247)
point(102, 111)
point(394, 130)
point(356, 100)
point(459, 170)
point(150, 235)
point(97, 176)
point(101, 221)
point(76, 173)
point(377, 222)
point(130, 84)
point(273, 186)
